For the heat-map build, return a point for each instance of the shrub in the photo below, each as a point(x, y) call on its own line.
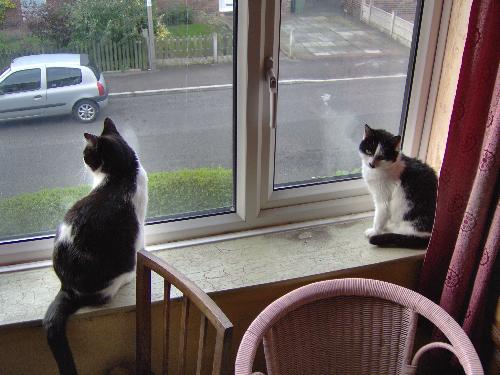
point(170, 193)
point(114, 20)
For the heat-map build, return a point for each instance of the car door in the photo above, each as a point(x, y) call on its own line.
point(22, 94)
point(64, 88)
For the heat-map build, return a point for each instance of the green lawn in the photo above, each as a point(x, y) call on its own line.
point(170, 193)
point(190, 29)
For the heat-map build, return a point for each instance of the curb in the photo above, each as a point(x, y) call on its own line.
point(128, 94)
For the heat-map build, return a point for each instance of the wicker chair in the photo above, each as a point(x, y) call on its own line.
point(192, 296)
point(348, 327)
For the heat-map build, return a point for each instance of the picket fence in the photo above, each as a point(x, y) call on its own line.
point(133, 54)
point(108, 56)
point(213, 48)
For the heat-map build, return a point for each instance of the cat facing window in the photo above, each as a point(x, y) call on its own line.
point(95, 245)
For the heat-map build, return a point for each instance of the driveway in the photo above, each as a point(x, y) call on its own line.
point(332, 34)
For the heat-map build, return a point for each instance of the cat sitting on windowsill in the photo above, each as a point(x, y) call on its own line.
point(403, 191)
point(95, 246)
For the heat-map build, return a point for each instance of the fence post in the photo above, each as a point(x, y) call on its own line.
point(370, 5)
point(151, 36)
point(214, 46)
point(393, 20)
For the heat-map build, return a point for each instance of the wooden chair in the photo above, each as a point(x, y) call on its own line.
point(349, 326)
point(192, 294)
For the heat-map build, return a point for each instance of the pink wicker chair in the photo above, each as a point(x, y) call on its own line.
point(349, 327)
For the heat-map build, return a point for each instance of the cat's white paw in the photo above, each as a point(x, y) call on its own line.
point(371, 232)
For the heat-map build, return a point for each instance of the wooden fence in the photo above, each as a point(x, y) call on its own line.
point(133, 54)
point(215, 48)
point(108, 56)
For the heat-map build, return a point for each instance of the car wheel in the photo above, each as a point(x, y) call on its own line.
point(85, 110)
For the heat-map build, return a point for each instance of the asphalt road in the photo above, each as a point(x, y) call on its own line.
point(319, 128)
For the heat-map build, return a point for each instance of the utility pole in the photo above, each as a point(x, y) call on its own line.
point(151, 36)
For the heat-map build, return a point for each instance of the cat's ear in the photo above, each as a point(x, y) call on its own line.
point(91, 138)
point(396, 141)
point(368, 131)
point(109, 127)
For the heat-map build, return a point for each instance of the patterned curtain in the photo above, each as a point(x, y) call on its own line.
point(458, 271)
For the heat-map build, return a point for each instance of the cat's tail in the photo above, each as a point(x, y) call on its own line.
point(400, 240)
point(54, 322)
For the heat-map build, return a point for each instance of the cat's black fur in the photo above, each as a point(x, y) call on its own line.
point(397, 182)
point(105, 228)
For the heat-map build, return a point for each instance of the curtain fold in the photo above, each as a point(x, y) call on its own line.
point(460, 262)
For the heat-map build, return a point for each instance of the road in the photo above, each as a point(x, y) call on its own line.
point(319, 128)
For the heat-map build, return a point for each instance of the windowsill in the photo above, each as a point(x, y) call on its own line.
point(217, 267)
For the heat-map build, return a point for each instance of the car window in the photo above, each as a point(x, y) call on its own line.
point(95, 70)
point(60, 77)
point(23, 80)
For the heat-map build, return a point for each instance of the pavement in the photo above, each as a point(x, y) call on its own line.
point(324, 44)
point(332, 35)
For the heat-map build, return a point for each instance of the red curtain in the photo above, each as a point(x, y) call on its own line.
point(458, 271)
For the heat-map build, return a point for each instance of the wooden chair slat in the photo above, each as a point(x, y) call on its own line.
point(201, 343)
point(183, 333)
point(166, 324)
point(143, 326)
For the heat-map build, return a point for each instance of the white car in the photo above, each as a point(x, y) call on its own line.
point(52, 84)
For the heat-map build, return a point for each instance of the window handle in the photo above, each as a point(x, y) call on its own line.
point(272, 82)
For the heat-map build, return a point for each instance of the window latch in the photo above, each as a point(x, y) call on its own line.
point(272, 82)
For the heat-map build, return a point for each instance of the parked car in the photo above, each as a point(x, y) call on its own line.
point(52, 84)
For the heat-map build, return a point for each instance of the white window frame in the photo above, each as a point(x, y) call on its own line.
point(257, 205)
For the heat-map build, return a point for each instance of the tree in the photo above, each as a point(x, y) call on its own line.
point(48, 21)
point(114, 20)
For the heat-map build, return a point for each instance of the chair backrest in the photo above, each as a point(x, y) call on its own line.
point(348, 326)
point(192, 295)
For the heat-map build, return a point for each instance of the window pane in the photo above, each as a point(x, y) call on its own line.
point(178, 117)
point(24, 80)
point(342, 64)
point(60, 77)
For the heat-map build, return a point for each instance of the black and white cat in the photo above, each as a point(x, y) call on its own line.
point(95, 246)
point(403, 191)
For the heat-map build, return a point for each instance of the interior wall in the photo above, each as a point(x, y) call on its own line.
point(103, 342)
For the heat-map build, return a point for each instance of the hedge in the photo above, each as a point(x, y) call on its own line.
point(170, 193)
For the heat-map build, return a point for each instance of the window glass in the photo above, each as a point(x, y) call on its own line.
point(171, 97)
point(24, 80)
point(342, 64)
point(60, 77)
point(95, 70)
